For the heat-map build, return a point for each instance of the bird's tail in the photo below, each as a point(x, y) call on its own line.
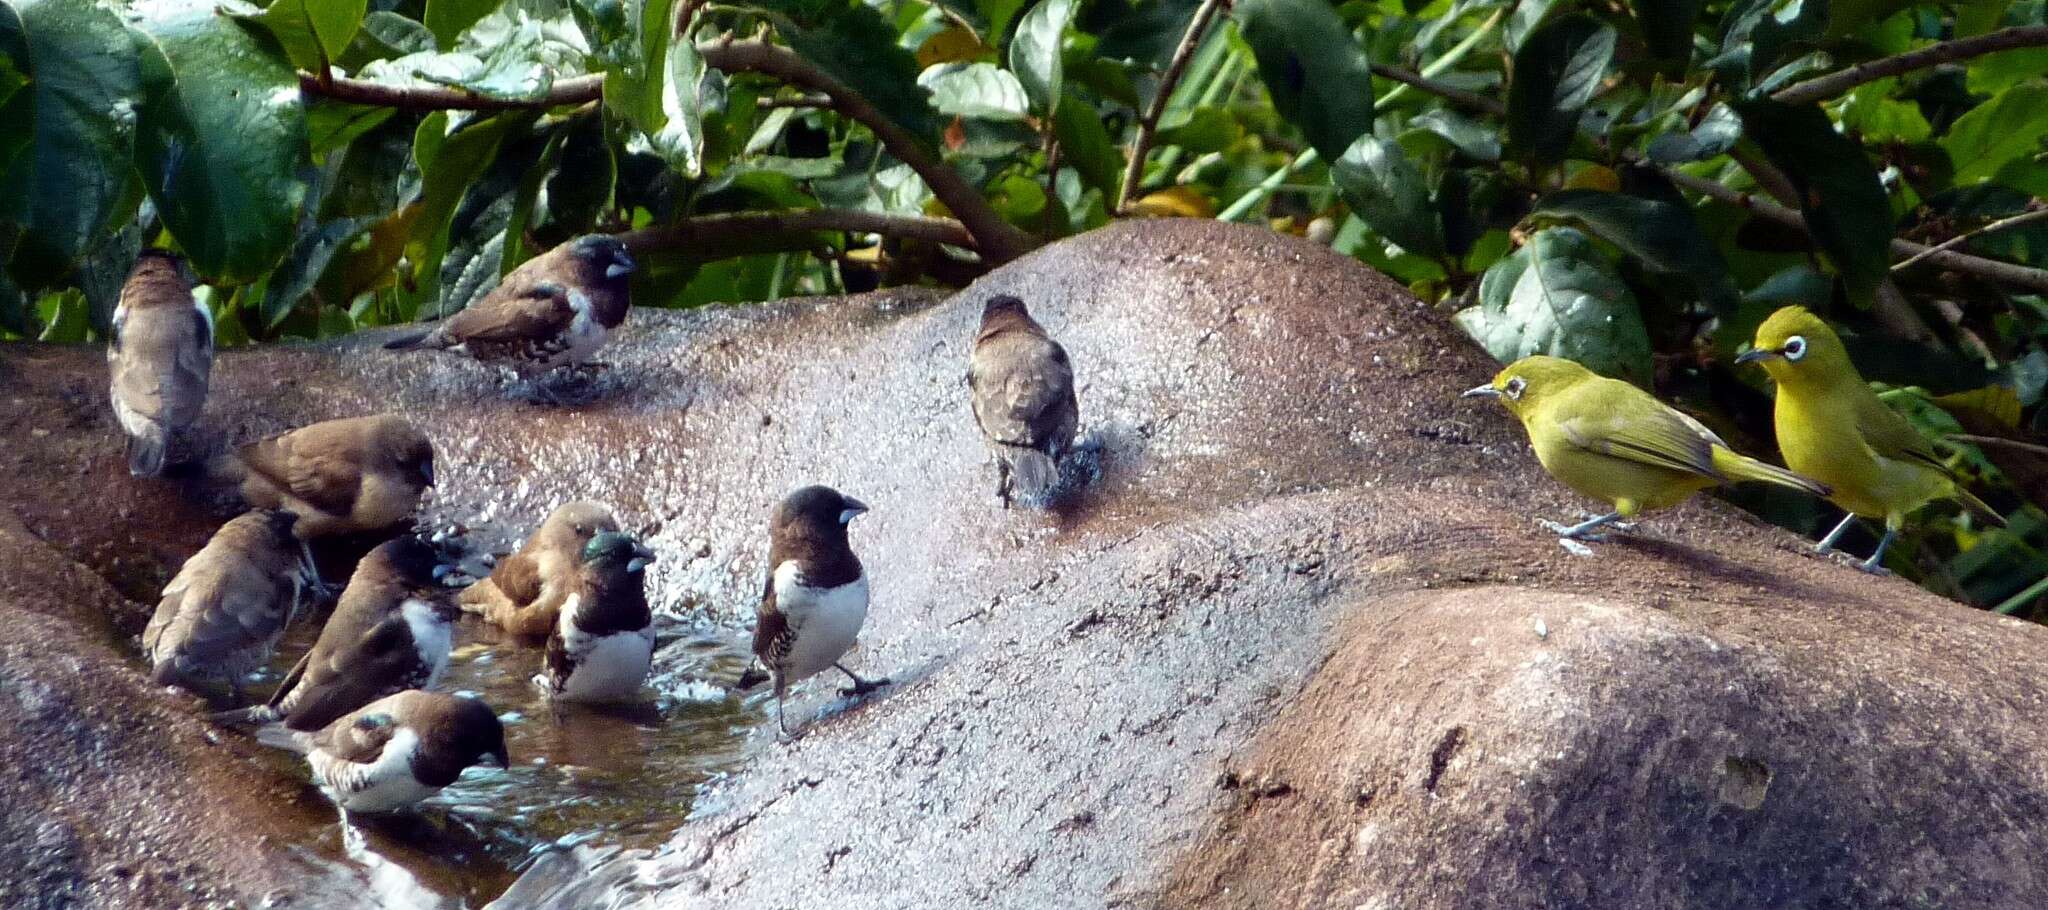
point(1035, 472)
point(1983, 509)
point(408, 342)
point(1740, 468)
point(252, 716)
point(146, 452)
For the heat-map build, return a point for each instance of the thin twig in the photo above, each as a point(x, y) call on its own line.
point(1449, 59)
point(425, 98)
point(1134, 170)
point(1821, 88)
point(1456, 96)
point(1997, 442)
point(742, 233)
point(1993, 227)
point(800, 102)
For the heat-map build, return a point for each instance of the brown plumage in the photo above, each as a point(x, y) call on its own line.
point(1022, 388)
point(391, 631)
point(347, 476)
point(441, 735)
point(221, 616)
point(525, 591)
point(160, 358)
point(816, 596)
point(554, 310)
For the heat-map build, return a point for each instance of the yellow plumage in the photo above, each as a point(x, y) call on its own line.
point(1833, 428)
point(1613, 442)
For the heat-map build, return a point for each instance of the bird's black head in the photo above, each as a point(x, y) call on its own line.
point(604, 254)
point(413, 561)
point(1004, 303)
point(818, 512)
point(475, 733)
point(615, 549)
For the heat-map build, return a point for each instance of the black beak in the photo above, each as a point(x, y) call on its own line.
point(622, 264)
point(1485, 391)
point(1759, 355)
point(427, 473)
point(503, 759)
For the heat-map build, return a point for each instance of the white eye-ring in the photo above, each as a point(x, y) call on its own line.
point(1795, 348)
point(1515, 387)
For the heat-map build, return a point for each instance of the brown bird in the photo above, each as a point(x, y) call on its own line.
point(1023, 393)
point(160, 358)
point(553, 311)
point(816, 598)
point(524, 593)
point(403, 748)
point(221, 616)
point(349, 476)
point(391, 631)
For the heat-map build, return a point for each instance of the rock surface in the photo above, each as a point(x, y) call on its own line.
point(1297, 642)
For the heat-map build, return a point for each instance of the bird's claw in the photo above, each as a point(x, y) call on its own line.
point(862, 688)
point(1570, 532)
point(1574, 547)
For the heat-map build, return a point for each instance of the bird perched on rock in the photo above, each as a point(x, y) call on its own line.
point(604, 641)
point(816, 598)
point(221, 617)
point(1832, 426)
point(1022, 387)
point(403, 748)
point(356, 475)
point(1613, 442)
point(524, 593)
point(391, 631)
point(160, 358)
point(553, 311)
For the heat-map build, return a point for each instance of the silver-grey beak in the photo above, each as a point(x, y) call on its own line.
point(1485, 391)
point(854, 508)
point(1759, 355)
point(622, 264)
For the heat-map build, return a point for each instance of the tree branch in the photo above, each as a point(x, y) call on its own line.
point(995, 239)
point(1134, 170)
point(1821, 88)
point(1457, 96)
point(2003, 272)
point(745, 233)
point(1993, 227)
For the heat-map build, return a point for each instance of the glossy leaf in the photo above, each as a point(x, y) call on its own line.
point(1754, 37)
point(303, 265)
point(1844, 204)
point(222, 142)
point(1035, 52)
point(2000, 140)
point(1086, 145)
point(449, 163)
point(1559, 296)
point(447, 19)
point(1390, 195)
point(313, 32)
point(657, 91)
point(979, 90)
point(1718, 132)
point(1319, 78)
point(1477, 140)
point(1555, 74)
point(1660, 234)
point(384, 36)
point(70, 125)
point(1667, 26)
point(1527, 16)
point(856, 45)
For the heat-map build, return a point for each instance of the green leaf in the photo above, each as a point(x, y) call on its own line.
point(514, 248)
point(303, 264)
point(384, 36)
point(449, 163)
point(658, 92)
point(978, 90)
point(1658, 233)
point(1477, 140)
point(63, 317)
point(1759, 32)
point(1718, 132)
point(1319, 78)
point(1085, 144)
point(1390, 195)
point(1999, 139)
point(1870, 112)
point(998, 13)
point(1667, 26)
point(1035, 52)
point(221, 143)
point(332, 125)
point(1527, 16)
point(1845, 206)
point(313, 32)
point(1556, 72)
point(69, 131)
point(1199, 131)
point(581, 188)
point(855, 44)
point(447, 19)
point(512, 71)
point(1559, 296)
point(1994, 73)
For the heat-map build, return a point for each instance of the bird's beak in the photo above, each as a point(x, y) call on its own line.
point(622, 264)
point(1485, 391)
point(854, 508)
point(641, 557)
point(1759, 355)
point(503, 759)
point(427, 473)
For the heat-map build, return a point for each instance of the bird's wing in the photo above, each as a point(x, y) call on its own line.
point(518, 578)
point(770, 626)
point(309, 468)
point(187, 396)
point(1659, 436)
point(355, 676)
point(243, 609)
point(1021, 382)
point(518, 309)
point(1889, 434)
point(557, 662)
point(360, 741)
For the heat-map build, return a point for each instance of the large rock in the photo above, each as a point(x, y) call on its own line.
point(1298, 643)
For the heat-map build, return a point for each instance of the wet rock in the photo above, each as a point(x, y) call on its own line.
point(1295, 639)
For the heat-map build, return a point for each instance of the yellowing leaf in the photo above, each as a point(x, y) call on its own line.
point(954, 45)
point(1995, 403)
point(1594, 177)
point(1175, 202)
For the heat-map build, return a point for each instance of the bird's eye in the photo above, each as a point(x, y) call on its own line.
point(1795, 348)
point(1515, 387)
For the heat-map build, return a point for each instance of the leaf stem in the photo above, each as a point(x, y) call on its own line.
point(2014, 603)
point(1266, 187)
point(1134, 169)
point(1821, 88)
point(1450, 58)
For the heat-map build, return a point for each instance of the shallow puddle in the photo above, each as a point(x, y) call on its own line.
point(623, 775)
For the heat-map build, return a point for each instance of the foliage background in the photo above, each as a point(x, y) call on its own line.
point(1634, 185)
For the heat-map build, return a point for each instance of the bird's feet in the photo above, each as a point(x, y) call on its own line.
point(861, 686)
